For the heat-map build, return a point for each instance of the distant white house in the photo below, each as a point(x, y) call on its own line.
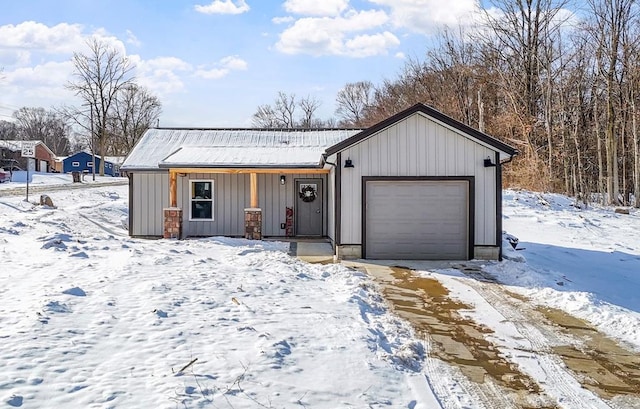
point(419, 185)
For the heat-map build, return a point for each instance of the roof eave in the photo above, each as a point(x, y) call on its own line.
point(426, 110)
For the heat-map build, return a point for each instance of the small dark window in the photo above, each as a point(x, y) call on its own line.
point(201, 200)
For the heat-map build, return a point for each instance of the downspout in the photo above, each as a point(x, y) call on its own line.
point(499, 201)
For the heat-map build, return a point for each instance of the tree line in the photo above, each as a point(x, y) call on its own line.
point(563, 88)
point(113, 113)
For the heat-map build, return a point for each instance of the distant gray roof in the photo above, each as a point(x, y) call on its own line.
point(164, 148)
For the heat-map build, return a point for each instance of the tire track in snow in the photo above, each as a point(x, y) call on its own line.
point(560, 383)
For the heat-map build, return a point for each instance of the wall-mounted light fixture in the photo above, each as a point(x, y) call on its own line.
point(488, 163)
point(348, 163)
point(283, 179)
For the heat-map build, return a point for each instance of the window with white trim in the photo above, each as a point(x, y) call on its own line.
point(75, 164)
point(90, 164)
point(201, 200)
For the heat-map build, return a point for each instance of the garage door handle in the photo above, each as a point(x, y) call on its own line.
point(318, 211)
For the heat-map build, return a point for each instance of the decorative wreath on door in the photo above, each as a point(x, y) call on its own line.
point(308, 193)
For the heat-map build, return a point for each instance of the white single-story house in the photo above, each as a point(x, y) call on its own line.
point(418, 185)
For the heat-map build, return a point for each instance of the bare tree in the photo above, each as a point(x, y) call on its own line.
point(612, 27)
point(309, 106)
point(135, 110)
point(282, 114)
point(352, 102)
point(99, 76)
point(518, 42)
point(43, 125)
point(265, 117)
point(8, 130)
point(285, 108)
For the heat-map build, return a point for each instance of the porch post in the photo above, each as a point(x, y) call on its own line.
point(173, 188)
point(253, 215)
point(254, 190)
point(172, 216)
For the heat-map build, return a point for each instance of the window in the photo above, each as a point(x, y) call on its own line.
point(89, 164)
point(201, 200)
point(75, 164)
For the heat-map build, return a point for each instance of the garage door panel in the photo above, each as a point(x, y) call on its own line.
point(417, 219)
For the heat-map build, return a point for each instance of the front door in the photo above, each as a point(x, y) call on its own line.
point(309, 207)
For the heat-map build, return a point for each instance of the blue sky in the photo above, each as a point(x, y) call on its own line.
point(212, 63)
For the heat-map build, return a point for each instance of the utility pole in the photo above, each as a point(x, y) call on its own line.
point(93, 148)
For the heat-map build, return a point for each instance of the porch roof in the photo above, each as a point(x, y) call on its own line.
point(236, 156)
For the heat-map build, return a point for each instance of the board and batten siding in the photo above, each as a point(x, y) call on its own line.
point(149, 195)
point(232, 194)
point(331, 199)
point(418, 146)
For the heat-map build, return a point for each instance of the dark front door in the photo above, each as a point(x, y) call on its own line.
point(309, 207)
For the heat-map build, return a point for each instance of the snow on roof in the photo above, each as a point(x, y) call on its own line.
point(232, 147)
point(114, 159)
point(237, 156)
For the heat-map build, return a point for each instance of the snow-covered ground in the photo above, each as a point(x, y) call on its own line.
point(90, 317)
point(585, 262)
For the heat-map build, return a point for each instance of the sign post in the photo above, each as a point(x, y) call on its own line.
point(28, 151)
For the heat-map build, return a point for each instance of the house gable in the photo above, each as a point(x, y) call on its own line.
point(434, 115)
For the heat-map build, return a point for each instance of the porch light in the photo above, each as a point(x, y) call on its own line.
point(348, 163)
point(283, 180)
point(488, 163)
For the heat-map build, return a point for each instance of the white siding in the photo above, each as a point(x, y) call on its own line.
point(150, 194)
point(418, 146)
point(331, 198)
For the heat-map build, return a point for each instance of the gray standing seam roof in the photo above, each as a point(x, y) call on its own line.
point(164, 148)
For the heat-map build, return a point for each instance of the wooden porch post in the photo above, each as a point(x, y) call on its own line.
point(173, 188)
point(254, 190)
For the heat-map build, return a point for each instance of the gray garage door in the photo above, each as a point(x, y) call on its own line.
point(417, 220)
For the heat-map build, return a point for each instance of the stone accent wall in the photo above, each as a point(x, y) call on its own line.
point(253, 224)
point(172, 223)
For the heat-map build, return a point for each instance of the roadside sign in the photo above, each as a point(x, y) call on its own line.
point(28, 149)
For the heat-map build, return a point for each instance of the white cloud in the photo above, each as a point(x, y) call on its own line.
point(282, 20)
point(212, 74)
point(335, 36)
point(161, 75)
point(223, 68)
point(400, 55)
point(61, 38)
point(223, 7)
point(132, 39)
point(425, 16)
point(370, 45)
point(316, 7)
point(232, 62)
point(40, 85)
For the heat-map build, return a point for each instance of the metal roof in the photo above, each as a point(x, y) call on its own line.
point(161, 148)
point(233, 156)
